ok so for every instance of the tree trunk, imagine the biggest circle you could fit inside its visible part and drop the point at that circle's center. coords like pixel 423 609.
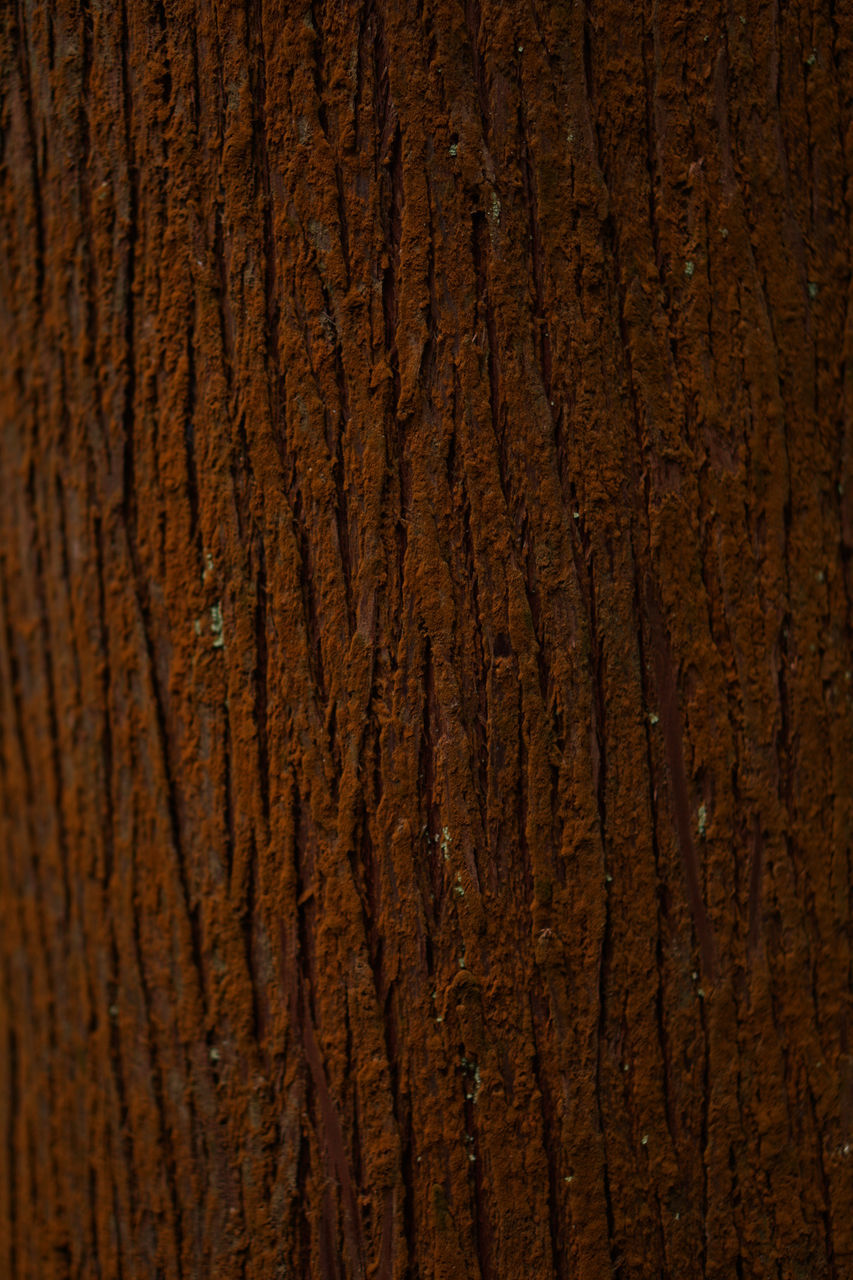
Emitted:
pixel 426 605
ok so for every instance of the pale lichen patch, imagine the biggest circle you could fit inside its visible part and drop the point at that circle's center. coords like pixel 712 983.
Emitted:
pixel 216 626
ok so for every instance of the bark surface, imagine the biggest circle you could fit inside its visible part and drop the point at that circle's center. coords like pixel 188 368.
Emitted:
pixel 426 737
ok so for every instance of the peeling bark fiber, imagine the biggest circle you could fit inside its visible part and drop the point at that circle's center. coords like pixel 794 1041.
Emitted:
pixel 426 640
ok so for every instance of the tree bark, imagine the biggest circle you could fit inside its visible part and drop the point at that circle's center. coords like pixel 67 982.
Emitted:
pixel 426 605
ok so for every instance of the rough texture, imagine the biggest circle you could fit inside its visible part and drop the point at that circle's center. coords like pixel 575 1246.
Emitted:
pixel 426 744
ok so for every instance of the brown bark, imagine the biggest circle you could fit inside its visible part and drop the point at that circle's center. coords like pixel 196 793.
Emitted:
pixel 426 747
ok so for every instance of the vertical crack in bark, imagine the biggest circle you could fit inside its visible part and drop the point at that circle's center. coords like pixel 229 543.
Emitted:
pixel 391 272
pixel 551 1136
pixel 338 432
pixel 14 685
pixel 121 1130
pixel 427 783
pixel 542 333
pixel 479 237
pixel 130 239
pixel 473 22
pixel 309 602
pixel 335 1142
pixel 481 718
pixel 190 448
pixel 261 683
pixel 671 724
pixel 13 1108
pixel 336 429
pixel 522 715
pixel 755 872
pixel 227 800
pixel 661 892
pixel 168 1169
pixel 24 57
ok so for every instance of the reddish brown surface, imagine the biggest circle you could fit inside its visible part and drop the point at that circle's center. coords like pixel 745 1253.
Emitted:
pixel 426 749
